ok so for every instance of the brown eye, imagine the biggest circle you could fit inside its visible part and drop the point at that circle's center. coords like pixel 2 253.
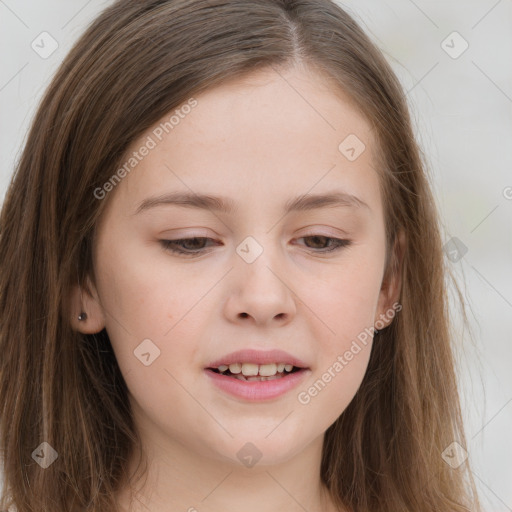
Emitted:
pixel 185 246
pixel 323 242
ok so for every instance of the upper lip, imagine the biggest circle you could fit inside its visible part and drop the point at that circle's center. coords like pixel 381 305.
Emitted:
pixel 258 357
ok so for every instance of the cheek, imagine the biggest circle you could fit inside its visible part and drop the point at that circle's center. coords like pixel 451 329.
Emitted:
pixel 346 306
pixel 149 309
pixel 152 328
pixel 344 339
pixel 347 299
pixel 146 297
pixel 329 392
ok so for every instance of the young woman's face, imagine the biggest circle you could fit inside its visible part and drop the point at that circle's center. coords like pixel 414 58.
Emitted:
pixel 252 275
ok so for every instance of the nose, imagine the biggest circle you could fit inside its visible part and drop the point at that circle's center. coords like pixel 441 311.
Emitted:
pixel 260 292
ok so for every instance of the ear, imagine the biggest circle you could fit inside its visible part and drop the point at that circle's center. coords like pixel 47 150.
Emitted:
pixel 84 299
pixel 391 283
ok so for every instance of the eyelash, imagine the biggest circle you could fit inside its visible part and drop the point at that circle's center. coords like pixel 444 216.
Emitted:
pixel 171 245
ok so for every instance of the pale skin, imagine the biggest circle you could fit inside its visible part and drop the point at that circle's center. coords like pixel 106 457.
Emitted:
pixel 259 142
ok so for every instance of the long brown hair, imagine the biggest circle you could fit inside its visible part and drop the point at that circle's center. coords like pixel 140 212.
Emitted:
pixel 135 63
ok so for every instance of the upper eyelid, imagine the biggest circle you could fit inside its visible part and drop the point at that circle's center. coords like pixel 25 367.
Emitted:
pixel 304 235
pixel 310 231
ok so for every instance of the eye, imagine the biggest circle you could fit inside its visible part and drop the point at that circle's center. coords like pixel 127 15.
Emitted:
pixel 336 245
pixel 184 245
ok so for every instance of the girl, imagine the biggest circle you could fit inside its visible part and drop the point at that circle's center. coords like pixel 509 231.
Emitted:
pixel 222 280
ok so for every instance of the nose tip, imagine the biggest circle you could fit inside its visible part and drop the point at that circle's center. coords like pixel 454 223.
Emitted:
pixel 259 293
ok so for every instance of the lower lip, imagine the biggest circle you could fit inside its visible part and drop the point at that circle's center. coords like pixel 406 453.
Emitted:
pixel 257 391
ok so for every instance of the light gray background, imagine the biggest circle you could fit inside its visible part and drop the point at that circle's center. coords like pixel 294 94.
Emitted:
pixel 462 109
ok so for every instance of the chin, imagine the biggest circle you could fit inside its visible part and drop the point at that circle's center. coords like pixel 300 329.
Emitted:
pixel 252 449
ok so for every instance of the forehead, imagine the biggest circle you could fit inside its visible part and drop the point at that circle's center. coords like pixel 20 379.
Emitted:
pixel 270 133
pixel 277 106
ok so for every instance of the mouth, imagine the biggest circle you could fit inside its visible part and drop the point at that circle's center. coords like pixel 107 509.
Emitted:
pixel 251 372
pixel 255 375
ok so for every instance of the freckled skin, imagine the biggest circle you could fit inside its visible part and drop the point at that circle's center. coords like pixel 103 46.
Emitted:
pixel 260 143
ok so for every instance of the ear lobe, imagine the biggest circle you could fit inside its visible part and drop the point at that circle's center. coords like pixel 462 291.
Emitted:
pixel 392 281
pixel 85 299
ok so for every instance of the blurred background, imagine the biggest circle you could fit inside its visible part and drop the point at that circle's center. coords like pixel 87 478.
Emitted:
pixel 454 59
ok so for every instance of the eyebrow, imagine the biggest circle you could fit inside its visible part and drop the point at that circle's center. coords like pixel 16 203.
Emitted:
pixel 228 206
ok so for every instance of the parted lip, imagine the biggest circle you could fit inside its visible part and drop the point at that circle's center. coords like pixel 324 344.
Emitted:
pixel 258 357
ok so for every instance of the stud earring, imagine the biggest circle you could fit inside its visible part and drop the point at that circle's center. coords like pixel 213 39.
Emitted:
pixel 82 316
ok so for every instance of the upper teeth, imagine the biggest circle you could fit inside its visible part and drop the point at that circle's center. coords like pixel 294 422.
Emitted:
pixel 250 369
